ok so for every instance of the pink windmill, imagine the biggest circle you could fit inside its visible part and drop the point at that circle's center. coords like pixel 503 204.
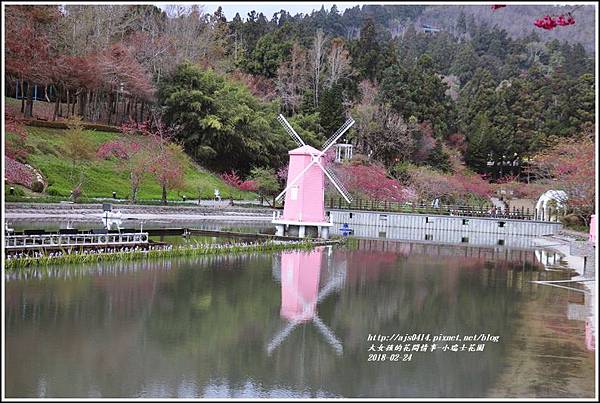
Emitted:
pixel 304 207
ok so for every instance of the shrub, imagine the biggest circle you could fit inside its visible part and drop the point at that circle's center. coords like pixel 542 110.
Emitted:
pixel 118 149
pixel 78 146
pixel 572 220
pixel 65 125
pixel 265 181
pixel 37 186
pixel 76 193
pixel 231 178
pixel 360 159
pixel 15 144
pixel 53 192
pixel 17 172
pixel 249 185
pixel 458 187
pixel 18 191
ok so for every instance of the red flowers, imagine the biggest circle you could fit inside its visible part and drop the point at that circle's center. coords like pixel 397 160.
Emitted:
pixel 249 185
pixel 232 179
pixel 547 22
pixel 563 21
pixel 118 149
pixel 372 182
pixel 17 172
pixel 552 22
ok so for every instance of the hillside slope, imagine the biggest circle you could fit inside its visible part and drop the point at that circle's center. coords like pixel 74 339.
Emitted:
pixel 102 177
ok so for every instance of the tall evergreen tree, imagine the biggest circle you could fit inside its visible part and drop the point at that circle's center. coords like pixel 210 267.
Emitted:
pixel 331 110
pixel 366 52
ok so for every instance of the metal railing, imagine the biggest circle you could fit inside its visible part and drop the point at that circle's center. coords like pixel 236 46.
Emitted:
pixel 73 240
pixel 481 210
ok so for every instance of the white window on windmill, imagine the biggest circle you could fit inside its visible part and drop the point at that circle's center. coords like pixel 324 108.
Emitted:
pixel 294 192
pixel 343 152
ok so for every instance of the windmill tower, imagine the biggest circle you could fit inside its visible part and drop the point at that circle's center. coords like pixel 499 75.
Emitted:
pixel 304 207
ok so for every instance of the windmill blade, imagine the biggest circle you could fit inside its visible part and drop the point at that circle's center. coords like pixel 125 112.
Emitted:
pixel 328 334
pixel 339 133
pixel 292 183
pixel 333 285
pixel 281 336
pixel 338 185
pixel 336 182
pixel 290 130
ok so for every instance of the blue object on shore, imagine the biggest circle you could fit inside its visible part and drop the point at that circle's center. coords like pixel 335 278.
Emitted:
pixel 346 230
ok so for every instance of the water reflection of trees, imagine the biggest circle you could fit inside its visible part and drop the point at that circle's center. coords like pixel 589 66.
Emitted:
pixel 208 320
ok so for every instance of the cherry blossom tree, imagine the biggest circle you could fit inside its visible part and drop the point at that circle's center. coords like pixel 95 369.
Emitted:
pixel 165 158
pixel 28 48
pixel 372 182
pixel 569 165
pixel 132 156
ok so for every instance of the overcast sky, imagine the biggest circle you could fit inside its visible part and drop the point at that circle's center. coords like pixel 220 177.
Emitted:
pixel 269 8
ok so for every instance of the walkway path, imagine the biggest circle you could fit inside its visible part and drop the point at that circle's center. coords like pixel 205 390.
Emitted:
pixel 93 212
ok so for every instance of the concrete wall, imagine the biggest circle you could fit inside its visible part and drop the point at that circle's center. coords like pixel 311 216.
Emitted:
pixel 441 236
pixel 382 221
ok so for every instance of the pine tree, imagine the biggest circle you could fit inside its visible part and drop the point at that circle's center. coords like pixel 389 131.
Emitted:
pixel 480 143
pixel 476 96
pixel 366 52
pixel 461 24
pixel 465 63
pixel 438 159
pixel 331 110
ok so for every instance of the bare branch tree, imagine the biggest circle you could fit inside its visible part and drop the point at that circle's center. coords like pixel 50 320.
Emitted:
pixel 317 56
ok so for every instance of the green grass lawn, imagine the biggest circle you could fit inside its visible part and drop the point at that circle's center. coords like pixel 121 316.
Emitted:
pixel 102 177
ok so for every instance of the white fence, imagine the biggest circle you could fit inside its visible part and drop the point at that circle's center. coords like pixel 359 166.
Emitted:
pixel 73 240
pixel 498 226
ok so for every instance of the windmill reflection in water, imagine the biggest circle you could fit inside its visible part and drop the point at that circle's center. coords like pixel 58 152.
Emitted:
pixel 300 294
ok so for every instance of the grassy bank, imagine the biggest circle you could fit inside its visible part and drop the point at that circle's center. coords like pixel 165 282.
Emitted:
pixel 195 250
pixel 45 147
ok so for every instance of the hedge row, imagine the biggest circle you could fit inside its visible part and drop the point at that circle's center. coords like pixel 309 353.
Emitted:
pixel 15 263
pixel 63 125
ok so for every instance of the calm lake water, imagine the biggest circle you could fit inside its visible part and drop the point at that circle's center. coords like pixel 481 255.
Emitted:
pixel 296 324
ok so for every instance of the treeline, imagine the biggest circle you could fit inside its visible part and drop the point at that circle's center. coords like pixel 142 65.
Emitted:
pixel 495 97
pixel 220 84
pixel 98 78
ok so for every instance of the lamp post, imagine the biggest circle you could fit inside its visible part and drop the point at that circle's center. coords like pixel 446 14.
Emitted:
pixel 120 91
pixel 490 164
pixel 526 166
